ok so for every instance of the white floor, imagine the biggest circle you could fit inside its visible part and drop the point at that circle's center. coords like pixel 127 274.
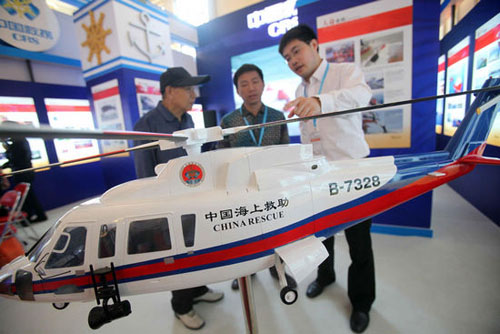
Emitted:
pixel 446 284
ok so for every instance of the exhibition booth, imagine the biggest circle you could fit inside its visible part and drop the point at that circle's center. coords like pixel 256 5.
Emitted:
pixel 103 66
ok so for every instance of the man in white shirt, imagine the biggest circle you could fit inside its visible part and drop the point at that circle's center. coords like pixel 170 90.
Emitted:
pixel 328 88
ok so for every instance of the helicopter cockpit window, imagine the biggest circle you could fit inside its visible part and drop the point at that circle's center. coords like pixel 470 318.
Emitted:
pixel 69 250
pixel 188 228
pixel 149 235
pixel 107 237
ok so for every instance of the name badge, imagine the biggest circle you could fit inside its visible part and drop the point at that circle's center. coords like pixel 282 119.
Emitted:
pixel 315 136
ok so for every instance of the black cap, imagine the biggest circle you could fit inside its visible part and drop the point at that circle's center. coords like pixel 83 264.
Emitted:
pixel 179 77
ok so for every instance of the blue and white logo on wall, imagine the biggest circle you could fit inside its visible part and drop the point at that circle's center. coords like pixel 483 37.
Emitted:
pixel 28 24
pixel 279 17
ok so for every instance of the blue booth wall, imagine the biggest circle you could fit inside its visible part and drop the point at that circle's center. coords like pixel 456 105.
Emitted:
pixel 59 185
pixel 481 186
pixel 63 185
pixel 228 36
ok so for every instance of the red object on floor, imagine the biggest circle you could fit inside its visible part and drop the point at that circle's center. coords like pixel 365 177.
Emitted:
pixel 10 248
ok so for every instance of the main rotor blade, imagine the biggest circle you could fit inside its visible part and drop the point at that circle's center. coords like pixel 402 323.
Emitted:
pixel 356 110
pixel 146 146
pixel 17 131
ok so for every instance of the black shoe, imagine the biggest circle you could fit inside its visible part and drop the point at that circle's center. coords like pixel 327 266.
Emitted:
pixel 289 279
pixel 37 219
pixel 314 289
pixel 359 321
pixel 235 285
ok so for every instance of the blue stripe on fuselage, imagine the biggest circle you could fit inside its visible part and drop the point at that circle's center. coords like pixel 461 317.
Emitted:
pixel 409 169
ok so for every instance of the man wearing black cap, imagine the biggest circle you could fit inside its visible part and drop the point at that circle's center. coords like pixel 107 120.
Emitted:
pixel 177 89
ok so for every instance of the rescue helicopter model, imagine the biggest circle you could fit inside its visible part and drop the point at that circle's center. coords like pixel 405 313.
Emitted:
pixel 219 215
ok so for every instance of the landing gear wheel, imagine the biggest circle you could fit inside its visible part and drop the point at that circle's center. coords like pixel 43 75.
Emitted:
pixel 288 295
pixel 60 306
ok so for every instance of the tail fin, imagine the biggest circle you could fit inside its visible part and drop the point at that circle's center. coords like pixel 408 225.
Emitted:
pixel 477 123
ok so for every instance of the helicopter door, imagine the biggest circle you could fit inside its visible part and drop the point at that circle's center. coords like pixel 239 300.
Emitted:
pixel 66 260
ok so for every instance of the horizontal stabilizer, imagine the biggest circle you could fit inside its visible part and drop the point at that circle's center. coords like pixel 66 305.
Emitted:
pixel 480 160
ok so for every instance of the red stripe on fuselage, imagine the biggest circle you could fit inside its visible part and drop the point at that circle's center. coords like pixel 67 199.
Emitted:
pixel 358 212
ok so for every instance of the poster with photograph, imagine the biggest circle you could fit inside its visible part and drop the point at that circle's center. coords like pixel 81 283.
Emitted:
pixel 148 94
pixel 440 91
pixel 487 63
pixel 342 52
pixel 378 38
pixel 109 113
pixel 280 82
pixel 22 110
pixel 456 81
pixel 72 114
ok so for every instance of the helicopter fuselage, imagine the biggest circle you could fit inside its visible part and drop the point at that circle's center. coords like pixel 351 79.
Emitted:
pixel 213 217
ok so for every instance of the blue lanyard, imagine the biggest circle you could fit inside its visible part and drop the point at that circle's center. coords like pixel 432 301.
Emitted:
pixel 261 130
pixel 320 86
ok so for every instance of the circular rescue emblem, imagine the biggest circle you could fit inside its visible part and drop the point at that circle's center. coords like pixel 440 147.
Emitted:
pixel 192 174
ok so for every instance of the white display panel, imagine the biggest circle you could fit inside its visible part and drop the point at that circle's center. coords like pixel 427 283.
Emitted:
pixel 72 114
pixel 487 63
pixel 109 113
pixel 440 91
pixel 197 114
pixel 22 110
pixel 456 81
pixel 378 38
pixel 148 94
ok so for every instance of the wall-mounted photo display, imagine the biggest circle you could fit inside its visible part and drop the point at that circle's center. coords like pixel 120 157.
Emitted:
pixel 73 114
pixel 22 110
pixel 109 113
pixel 148 94
pixel 378 38
pixel 487 63
pixel 196 113
pixel 456 81
pixel 440 91
pixel 280 82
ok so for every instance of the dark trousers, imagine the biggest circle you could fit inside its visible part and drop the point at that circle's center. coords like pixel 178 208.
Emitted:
pixel 31 204
pixel 182 300
pixel 361 275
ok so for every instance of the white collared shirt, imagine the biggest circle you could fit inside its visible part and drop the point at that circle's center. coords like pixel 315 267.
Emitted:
pixel 341 137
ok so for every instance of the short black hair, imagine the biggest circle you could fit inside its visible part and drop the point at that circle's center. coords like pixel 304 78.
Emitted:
pixel 246 68
pixel 302 32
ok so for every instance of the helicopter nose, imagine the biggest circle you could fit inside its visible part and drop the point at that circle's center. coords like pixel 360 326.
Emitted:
pixel 6 286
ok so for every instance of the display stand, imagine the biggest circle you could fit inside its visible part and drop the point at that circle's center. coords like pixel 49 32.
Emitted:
pixel 247 301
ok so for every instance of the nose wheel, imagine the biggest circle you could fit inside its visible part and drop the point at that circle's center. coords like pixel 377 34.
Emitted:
pixel 287 294
pixel 60 306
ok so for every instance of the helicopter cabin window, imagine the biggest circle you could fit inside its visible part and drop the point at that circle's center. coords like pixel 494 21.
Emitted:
pixel 69 250
pixel 149 235
pixel 107 237
pixel 188 227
